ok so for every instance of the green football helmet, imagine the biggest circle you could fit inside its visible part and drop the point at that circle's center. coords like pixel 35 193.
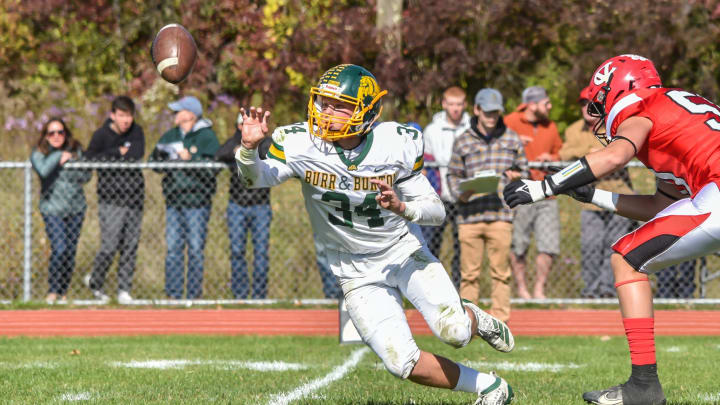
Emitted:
pixel 354 85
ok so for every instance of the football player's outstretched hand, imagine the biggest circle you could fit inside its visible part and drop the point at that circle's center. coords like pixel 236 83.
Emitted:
pixel 254 126
pixel 524 192
pixel 387 198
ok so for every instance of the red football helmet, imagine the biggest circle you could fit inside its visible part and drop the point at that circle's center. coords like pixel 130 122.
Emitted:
pixel 614 77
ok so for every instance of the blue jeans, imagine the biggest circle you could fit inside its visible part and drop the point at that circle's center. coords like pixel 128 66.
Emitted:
pixel 240 220
pixel 185 226
pixel 63 233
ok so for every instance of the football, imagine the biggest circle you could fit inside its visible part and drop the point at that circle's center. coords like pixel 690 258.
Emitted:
pixel 174 53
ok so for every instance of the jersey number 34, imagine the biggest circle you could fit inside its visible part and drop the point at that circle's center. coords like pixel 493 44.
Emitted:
pixel 368 208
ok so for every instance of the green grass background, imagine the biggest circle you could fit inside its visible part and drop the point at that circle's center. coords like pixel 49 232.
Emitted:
pixel 42 370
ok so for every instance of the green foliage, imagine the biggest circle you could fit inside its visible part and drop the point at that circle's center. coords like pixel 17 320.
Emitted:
pixel 69 55
pixel 276 49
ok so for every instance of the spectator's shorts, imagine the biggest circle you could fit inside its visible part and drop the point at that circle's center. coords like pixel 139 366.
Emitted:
pixel 540 218
pixel 686 229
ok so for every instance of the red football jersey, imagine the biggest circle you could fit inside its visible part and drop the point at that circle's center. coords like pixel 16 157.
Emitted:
pixel 683 146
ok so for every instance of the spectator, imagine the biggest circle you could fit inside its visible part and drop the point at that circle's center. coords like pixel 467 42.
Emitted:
pixel 439 137
pixel 599 228
pixel 542 143
pixel 120 198
pixel 248 210
pixel 677 281
pixel 62 201
pixel 484 222
pixel 188 195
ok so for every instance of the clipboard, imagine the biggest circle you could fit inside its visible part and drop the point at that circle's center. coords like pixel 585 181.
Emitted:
pixel 483 182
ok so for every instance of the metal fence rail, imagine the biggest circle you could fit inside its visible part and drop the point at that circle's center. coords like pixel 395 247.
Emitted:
pixel 294 273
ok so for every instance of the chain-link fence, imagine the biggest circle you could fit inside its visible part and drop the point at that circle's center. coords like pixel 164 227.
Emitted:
pixel 159 252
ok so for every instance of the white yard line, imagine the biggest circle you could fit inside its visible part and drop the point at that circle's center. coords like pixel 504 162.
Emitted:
pixel 530 366
pixel 712 398
pixel 336 374
pixel 225 364
pixel 80 396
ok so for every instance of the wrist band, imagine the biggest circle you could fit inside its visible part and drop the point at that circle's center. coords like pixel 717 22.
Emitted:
pixel 246 156
pixel 576 174
pixel 605 199
pixel 410 212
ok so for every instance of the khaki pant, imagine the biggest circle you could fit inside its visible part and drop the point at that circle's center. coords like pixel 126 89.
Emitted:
pixel 473 239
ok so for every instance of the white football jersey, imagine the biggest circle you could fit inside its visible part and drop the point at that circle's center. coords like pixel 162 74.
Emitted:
pixel 336 183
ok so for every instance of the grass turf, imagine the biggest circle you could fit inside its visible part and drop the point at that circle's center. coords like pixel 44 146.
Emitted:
pixel 553 370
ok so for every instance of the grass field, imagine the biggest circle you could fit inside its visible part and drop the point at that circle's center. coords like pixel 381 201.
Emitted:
pixel 315 370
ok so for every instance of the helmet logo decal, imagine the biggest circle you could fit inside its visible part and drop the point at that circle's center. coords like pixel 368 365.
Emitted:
pixel 602 76
pixel 367 90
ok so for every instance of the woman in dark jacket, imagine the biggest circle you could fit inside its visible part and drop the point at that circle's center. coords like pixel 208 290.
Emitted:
pixel 62 201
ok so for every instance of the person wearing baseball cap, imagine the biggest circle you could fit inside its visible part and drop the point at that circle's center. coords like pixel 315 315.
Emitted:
pixel 188 103
pixel 483 220
pixel 531 120
pixel 188 194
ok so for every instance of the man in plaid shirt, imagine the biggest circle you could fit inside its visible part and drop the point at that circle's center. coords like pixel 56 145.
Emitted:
pixel 483 219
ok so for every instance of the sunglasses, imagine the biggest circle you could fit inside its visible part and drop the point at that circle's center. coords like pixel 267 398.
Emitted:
pixel 51 133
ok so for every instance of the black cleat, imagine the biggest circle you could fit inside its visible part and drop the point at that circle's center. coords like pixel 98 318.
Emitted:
pixel 630 393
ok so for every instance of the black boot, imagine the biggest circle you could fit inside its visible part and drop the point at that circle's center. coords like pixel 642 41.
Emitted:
pixel 642 388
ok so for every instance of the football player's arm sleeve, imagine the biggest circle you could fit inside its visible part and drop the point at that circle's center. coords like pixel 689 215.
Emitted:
pixel 422 204
pixel 257 173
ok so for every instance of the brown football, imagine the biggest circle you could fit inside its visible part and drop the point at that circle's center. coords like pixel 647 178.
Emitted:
pixel 174 53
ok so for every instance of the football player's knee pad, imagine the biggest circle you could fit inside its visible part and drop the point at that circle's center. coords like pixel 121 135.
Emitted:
pixel 400 363
pixel 453 327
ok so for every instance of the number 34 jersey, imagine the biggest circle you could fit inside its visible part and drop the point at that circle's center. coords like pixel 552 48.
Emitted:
pixel 683 146
pixel 339 197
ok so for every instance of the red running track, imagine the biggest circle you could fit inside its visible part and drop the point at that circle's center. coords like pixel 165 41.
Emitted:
pixel 318 322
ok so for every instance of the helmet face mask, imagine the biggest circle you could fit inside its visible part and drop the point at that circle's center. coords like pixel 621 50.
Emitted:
pixel 596 109
pixel 350 84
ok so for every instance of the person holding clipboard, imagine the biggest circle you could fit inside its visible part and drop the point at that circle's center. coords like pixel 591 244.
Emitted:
pixel 485 158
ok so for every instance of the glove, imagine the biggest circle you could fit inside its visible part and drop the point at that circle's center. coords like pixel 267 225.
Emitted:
pixel 525 192
pixel 583 193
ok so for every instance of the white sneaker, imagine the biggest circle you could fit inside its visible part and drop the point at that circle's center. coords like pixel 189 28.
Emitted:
pixel 492 330
pixel 499 393
pixel 124 297
pixel 98 294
